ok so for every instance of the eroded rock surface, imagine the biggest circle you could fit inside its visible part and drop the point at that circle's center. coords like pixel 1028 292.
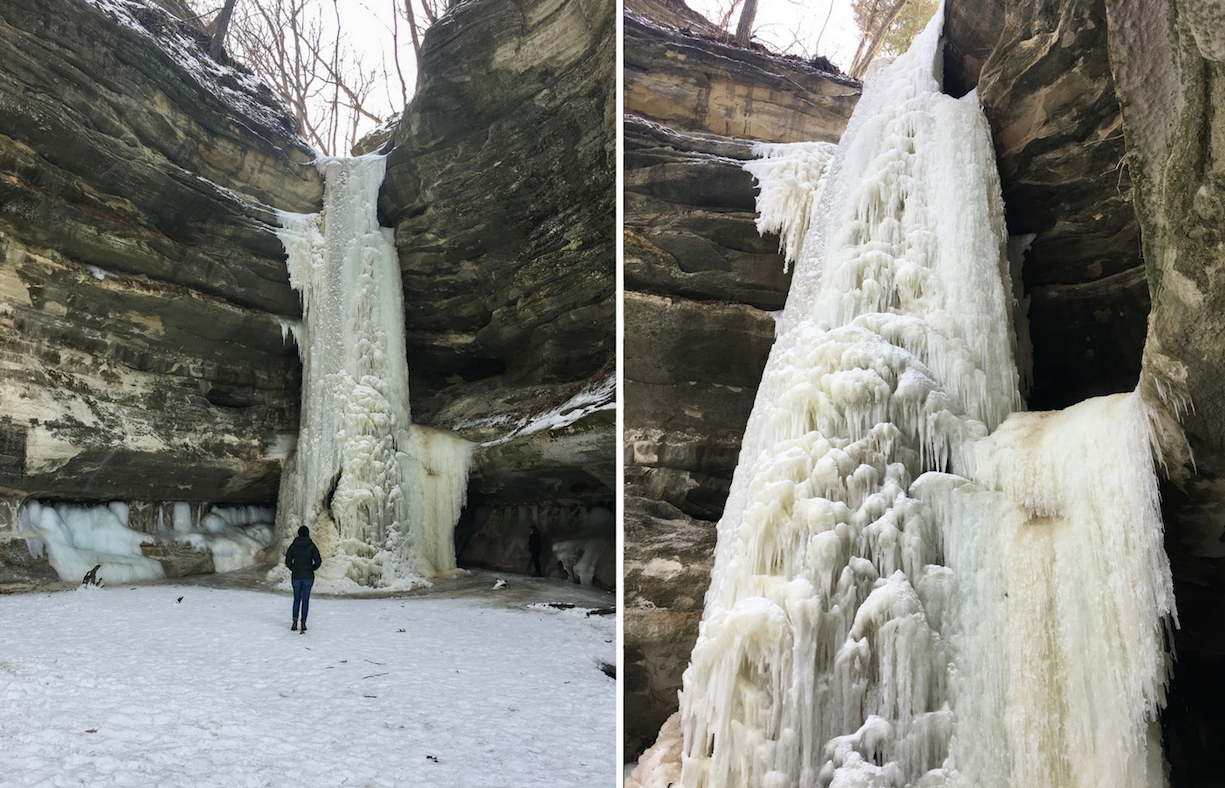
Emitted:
pixel 1170 72
pixel 501 191
pixel 702 85
pixel 141 278
pixel 1044 80
pixel 701 284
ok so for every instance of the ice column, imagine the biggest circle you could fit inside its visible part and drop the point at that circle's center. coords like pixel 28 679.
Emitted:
pixel 380 494
pixel 833 649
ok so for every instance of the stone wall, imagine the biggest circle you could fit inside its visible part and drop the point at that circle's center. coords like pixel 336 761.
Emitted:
pixel 141 279
pixel 701 284
pixel 501 188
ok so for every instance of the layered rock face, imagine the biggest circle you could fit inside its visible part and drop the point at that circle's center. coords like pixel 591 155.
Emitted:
pixel 141 279
pixel 144 289
pixel 701 284
pixel 1044 80
pixel 500 186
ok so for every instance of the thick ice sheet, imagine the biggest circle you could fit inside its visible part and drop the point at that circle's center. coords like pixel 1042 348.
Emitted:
pixel 216 691
pixel 380 494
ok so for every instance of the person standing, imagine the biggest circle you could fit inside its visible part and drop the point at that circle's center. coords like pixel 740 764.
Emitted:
pixel 303 559
pixel 533 546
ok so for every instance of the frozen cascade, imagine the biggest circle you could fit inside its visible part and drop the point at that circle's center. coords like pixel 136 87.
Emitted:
pixel 912 586
pixel 380 494
pixel 77 537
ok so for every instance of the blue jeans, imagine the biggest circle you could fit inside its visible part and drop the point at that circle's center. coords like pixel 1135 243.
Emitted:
pixel 302 597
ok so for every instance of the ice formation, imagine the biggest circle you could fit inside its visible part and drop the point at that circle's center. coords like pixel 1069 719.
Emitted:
pixel 238 536
pixel 78 537
pixel 380 494
pixel 912 586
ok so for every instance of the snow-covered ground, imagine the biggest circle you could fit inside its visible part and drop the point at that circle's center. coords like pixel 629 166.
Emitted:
pixel 460 686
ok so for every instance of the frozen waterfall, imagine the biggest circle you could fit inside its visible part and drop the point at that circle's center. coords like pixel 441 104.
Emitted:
pixel 915 584
pixel 380 494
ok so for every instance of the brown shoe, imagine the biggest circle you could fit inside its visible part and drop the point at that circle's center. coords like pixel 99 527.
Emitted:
pixel 303 627
pixel 295 625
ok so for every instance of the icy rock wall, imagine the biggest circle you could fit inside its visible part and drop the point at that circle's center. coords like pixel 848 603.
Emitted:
pixel 380 495
pixel 833 650
pixel 75 538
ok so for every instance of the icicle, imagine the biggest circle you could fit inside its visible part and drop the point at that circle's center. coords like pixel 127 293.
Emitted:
pixel 380 495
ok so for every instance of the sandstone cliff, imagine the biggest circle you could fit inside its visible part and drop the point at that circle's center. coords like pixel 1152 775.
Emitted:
pixel 143 289
pixel 701 284
pixel 142 277
pixel 500 186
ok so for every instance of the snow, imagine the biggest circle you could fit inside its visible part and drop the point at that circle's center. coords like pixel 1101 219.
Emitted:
pixel 243 93
pixel 596 396
pixel 99 273
pixel 914 584
pixel 126 686
pixel 380 495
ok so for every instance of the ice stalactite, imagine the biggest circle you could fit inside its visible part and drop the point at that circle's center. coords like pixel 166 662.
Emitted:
pixel 854 628
pixel 380 494
pixel 1062 599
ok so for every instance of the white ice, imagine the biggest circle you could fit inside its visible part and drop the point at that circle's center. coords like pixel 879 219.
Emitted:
pixel 237 536
pixel 126 686
pixel 596 396
pixel 78 537
pixel 380 494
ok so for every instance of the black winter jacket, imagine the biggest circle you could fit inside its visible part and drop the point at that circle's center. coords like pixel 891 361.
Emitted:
pixel 303 558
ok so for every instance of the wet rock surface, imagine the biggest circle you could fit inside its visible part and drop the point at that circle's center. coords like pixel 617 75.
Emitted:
pixel 1170 73
pixel 668 558
pixel 140 274
pixel 500 187
pixel 701 284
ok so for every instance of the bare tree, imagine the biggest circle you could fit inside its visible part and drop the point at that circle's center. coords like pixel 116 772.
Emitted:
pixel 300 48
pixel 216 48
pixel 308 64
pixel 744 29
pixel 879 22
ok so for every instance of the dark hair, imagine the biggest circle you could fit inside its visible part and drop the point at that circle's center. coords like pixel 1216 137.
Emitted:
pixel 304 531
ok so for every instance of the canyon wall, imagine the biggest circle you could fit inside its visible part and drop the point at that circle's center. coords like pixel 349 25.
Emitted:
pixel 701 285
pixel 144 293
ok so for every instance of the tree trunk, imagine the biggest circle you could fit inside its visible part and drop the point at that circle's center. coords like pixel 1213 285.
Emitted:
pixel 216 49
pixel 744 29
pixel 864 56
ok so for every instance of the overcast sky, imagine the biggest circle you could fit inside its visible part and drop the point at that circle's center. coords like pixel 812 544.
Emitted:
pixel 367 26
pixel 780 22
